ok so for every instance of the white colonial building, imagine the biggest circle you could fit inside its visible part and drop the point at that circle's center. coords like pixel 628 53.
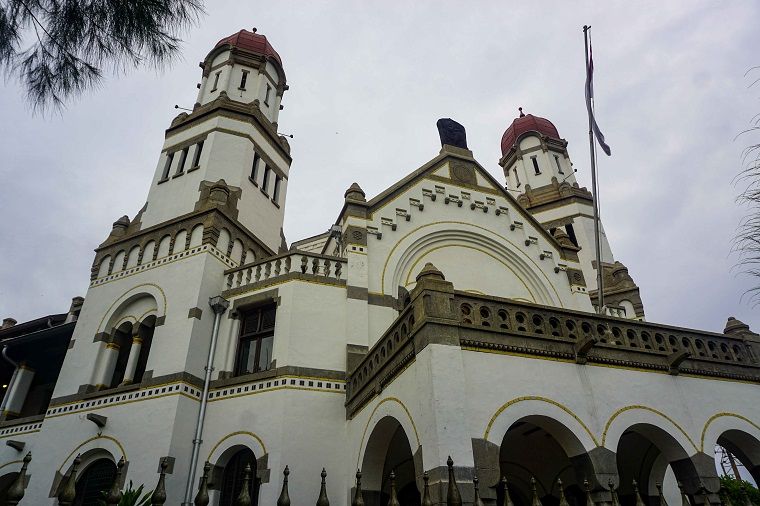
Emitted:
pixel 448 316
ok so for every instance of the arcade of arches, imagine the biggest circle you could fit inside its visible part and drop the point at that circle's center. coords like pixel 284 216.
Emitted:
pixel 542 449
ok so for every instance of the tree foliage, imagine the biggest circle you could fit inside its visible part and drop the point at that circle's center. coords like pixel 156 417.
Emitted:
pixel 747 240
pixel 59 48
pixel 738 492
pixel 131 496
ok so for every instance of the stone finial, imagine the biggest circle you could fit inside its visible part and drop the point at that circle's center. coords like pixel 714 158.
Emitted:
pixel 68 491
pixel 562 238
pixel 201 498
pixel 535 501
pixel 244 498
pixel 613 492
pixel 637 495
pixel 453 497
pixel 358 497
pixel 589 498
pixel 219 192
pixel 15 492
pixel 355 192
pixel 451 133
pixel 477 501
pixel 562 498
pixel 426 500
pixel 8 323
pixel 322 500
pixel 430 272
pixel 284 499
pixel 393 501
pixel 114 495
pixel 736 327
pixel 120 226
pixel 507 499
pixel 661 497
pixel 684 498
pixel 158 497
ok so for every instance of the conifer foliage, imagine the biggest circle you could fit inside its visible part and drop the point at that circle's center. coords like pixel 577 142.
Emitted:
pixel 59 48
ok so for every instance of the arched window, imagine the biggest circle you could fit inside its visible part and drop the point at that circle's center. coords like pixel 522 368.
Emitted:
pixel 232 478
pixel 146 335
pixel 96 478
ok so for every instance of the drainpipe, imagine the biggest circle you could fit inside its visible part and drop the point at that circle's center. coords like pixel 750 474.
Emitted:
pixel 219 305
pixel 8 359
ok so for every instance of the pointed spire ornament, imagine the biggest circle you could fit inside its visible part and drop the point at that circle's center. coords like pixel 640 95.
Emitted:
pixel 477 501
pixel 613 491
pixel 358 497
pixel 507 499
pixel 535 501
pixel 284 499
pixel 15 492
pixel 393 501
pixel 114 494
pixel 68 491
pixel 639 501
pixel 244 498
pixel 201 498
pixel 589 498
pixel 426 500
pixel 660 495
pixel 684 498
pixel 158 497
pixel 323 500
pixel 562 498
pixel 453 497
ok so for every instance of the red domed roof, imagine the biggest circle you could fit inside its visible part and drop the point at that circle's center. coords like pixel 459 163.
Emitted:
pixel 253 42
pixel 526 123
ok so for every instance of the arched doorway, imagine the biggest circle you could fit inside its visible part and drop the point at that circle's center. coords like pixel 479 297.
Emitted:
pixel 742 455
pixel 649 455
pixel 233 475
pixel 5 482
pixel 387 450
pixel 540 448
pixel 96 477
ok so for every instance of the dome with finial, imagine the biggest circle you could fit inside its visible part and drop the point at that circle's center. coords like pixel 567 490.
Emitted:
pixel 355 192
pixel 523 124
pixel 252 42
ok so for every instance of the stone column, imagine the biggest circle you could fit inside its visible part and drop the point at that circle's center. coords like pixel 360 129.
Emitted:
pixel 134 356
pixel 18 389
pixel 106 364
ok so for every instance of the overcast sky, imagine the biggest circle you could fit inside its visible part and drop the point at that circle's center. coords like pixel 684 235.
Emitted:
pixel 368 82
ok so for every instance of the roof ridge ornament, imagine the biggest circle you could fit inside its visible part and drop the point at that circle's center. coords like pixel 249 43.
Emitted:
pixel 522 114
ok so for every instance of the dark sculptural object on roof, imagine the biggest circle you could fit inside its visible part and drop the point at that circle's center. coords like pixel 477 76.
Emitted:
pixel 452 133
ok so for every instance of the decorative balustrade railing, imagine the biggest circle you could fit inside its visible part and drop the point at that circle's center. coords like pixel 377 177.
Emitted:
pixel 478 322
pixel 290 264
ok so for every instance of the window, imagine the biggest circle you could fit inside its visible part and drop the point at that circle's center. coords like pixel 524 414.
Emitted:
pixel 559 167
pixel 266 97
pixel 517 178
pixel 276 192
pixel 197 155
pixel 216 80
pixel 97 477
pixel 265 181
pixel 232 478
pixel 256 340
pixel 181 164
pixel 571 233
pixel 243 79
pixel 535 165
pixel 255 166
pixel 167 166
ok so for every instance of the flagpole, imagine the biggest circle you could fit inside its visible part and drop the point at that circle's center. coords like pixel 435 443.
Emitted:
pixel 595 190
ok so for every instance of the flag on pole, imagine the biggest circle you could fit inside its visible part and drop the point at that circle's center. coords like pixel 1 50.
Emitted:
pixel 589 96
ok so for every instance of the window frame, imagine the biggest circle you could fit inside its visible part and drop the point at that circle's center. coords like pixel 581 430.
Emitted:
pixel 559 167
pixel 255 337
pixel 216 81
pixel 197 155
pixel 243 80
pixel 536 167
pixel 267 94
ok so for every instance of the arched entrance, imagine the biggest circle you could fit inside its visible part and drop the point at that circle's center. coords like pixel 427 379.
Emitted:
pixel 94 479
pixel 540 448
pixel 233 475
pixel 387 450
pixel 743 455
pixel 5 482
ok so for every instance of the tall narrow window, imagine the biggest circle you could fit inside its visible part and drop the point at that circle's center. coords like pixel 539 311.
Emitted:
pixel 216 80
pixel 181 163
pixel 535 165
pixel 243 79
pixel 276 191
pixel 167 166
pixel 255 167
pixel 571 233
pixel 265 181
pixel 266 97
pixel 122 339
pixel 197 155
pixel 517 178
pixel 256 340
pixel 559 167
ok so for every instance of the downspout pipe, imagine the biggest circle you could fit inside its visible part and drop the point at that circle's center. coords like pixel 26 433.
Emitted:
pixel 219 305
pixel 13 376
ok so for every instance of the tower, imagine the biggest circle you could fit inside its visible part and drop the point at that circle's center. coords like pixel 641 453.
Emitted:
pixel 538 170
